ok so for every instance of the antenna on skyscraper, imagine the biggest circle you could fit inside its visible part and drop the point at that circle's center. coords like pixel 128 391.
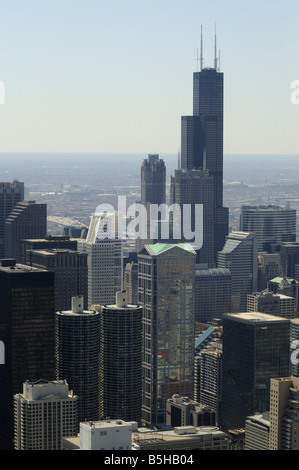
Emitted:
pixel 219 62
pixel 215 57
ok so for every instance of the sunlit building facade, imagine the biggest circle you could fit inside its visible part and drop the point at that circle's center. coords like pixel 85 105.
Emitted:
pixel 166 292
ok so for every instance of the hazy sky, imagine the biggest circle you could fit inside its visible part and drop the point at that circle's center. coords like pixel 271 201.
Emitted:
pixel 116 75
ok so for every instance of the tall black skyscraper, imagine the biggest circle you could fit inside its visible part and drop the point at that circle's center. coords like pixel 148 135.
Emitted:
pixel 202 140
pixel 153 180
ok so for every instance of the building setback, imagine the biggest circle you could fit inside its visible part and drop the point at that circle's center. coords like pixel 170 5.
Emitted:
pixel 10 195
pixel 27 220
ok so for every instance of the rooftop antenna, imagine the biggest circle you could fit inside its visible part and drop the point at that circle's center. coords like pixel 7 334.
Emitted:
pixel 219 62
pixel 215 57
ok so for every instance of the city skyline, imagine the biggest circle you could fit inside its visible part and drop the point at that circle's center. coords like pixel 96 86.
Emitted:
pixel 117 77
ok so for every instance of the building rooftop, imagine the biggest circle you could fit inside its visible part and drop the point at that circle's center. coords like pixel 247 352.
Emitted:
pixel 254 317
pixel 159 248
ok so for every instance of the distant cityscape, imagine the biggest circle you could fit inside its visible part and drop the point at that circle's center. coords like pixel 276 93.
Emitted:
pixel 155 343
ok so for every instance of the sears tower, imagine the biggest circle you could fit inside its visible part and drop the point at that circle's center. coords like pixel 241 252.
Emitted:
pixel 202 143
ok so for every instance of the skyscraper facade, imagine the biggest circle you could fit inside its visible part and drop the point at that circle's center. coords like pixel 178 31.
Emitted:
pixel 256 347
pixel 153 180
pixel 212 293
pixel 10 195
pixel 121 345
pixel 27 331
pixel 166 292
pixel 271 224
pixel 70 273
pixel 239 256
pixel 104 262
pixel 27 220
pixel 77 348
pixel 43 414
pixel 202 143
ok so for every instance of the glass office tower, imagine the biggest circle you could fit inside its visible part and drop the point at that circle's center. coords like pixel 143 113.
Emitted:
pixel 166 292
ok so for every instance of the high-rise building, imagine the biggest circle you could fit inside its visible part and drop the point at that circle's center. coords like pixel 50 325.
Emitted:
pixel 131 282
pixel 27 331
pixel 183 411
pixel 285 286
pixel 275 304
pixel 256 347
pixel 44 414
pixel 153 180
pixel 104 261
pixel 284 413
pixel 121 359
pixel 239 256
pixel 289 255
pixel 28 219
pixel 70 273
pixel 271 224
pixel 77 333
pixel 257 429
pixel 188 188
pixel 269 266
pixel 166 292
pixel 209 364
pixel 212 293
pixel 49 242
pixel 202 140
pixel 10 195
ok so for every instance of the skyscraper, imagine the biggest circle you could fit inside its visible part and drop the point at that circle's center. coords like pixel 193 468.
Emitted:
pixel 44 413
pixel 121 359
pixel 212 293
pixel 27 331
pixel 239 255
pixel 70 273
pixel 153 180
pixel 272 224
pixel 77 337
pixel 10 195
pixel 202 142
pixel 27 220
pixel 166 292
pixel 256 347
pixel 104 261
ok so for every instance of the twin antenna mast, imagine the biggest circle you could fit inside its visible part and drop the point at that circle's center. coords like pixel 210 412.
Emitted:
pixel 216 58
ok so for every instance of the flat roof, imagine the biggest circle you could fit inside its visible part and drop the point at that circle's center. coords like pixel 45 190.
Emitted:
pixel 255 317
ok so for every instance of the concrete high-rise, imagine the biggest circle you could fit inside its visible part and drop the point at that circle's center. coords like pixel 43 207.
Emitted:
pixel 121 345
pixel 239 255
pixel 27 220
pixel 166 292
pixel 256 347
pixel 104 261
pixel 275 304
pixel 10 195
pixel 77 336
pixel 28 333
pixel 70 273
pixel 271 224
pixel 44 414
pixel 284 413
